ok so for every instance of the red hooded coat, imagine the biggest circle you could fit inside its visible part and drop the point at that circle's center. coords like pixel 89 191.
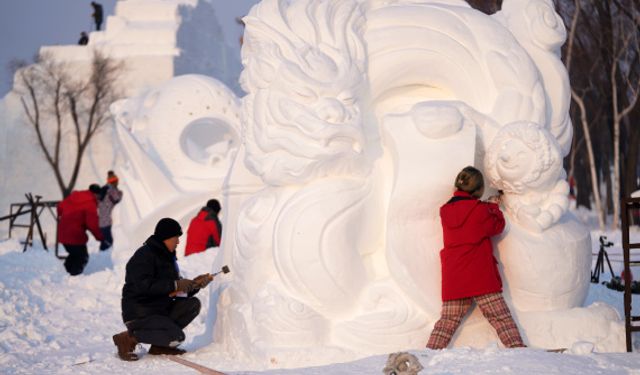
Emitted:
pixel 204 232
pixel 77 213
pixel 468 266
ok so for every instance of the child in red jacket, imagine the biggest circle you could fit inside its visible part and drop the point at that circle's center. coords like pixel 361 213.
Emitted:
pixel 469 269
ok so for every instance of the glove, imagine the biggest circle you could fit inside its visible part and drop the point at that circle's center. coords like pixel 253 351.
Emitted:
pixel 202 280
pixel 185 285
pixel 494 199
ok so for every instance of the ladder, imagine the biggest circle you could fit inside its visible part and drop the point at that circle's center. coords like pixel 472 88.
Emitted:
pixel 629 205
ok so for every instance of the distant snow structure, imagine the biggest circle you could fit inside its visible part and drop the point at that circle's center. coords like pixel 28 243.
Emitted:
pixel 203 50
pixel 157 40
pixel 178 141
pixel 359 114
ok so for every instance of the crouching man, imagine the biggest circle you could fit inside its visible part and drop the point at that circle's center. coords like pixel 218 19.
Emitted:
pixel 157 304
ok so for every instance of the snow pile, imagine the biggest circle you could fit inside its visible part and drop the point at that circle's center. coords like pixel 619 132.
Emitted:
pixel 50 321
pixel 56 324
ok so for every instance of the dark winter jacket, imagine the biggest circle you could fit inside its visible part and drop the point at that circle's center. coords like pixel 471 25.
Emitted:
pixel 78 213
pixel 151 276
pixel 97 12
pixel 468 265
pixel 204 232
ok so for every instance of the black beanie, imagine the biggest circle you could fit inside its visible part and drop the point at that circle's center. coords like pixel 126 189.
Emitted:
pixel 95 188
pixel 167 228
pixel 213 205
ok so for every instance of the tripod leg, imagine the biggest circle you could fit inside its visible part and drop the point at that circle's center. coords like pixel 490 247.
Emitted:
pixel 595 278
pixel 609 263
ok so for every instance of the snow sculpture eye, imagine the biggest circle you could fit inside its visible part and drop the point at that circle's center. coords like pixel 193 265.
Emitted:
pixel 208 140
pixel 331 110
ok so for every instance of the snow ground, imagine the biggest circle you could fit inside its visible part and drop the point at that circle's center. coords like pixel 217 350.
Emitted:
pixel 51 323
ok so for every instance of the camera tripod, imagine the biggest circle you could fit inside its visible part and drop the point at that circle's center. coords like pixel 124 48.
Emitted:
pixel 602 255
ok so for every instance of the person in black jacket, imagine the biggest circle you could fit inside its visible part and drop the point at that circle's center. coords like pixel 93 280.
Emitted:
pixel 84 39
pixel 157 304
pixel 97 14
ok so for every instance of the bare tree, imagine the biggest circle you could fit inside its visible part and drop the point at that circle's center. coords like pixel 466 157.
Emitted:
pixel 624 86
pixel 67 108
pixel 579 100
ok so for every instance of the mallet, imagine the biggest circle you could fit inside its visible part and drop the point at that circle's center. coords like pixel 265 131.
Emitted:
pixel 225 269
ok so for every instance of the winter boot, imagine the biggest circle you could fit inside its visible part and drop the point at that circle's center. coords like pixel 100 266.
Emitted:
pixel 158 350
pixel 126 345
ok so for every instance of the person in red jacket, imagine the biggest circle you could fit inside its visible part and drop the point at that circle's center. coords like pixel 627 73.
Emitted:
pixel 205 229
pixel 78 213
pixel 469 269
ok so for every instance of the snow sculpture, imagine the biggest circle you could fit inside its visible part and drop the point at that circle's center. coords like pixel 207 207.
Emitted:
pixel 541 32
pixel 359 114
pixel 179 140
pixel 524 161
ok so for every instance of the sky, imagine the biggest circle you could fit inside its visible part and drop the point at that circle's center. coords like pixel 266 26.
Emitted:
pixel 25 25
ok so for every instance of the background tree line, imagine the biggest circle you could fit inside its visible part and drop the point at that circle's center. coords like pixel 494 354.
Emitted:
pixel 66 106
pixel 602 56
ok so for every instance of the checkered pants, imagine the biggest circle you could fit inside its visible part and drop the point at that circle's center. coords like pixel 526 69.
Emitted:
pixel 493 307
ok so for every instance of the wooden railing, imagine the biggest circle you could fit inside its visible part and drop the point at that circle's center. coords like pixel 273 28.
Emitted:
pixel 34 206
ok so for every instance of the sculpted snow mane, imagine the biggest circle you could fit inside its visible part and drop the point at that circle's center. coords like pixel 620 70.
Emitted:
pixel 305 81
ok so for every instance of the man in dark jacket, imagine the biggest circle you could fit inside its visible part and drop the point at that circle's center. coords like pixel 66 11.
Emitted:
pixel 157 304
pixel 77 213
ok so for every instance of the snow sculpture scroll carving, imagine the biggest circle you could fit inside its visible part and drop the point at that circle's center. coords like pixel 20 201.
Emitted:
pixel 358 116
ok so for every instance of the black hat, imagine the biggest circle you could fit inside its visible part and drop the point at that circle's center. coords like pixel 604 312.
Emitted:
pixel 167 228
pixel 95 188
pixel 214 205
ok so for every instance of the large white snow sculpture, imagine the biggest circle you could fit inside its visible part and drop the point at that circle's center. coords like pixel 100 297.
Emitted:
pixel 359 114
pixel 179 140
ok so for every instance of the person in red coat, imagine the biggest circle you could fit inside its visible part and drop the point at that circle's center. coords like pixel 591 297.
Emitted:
pixel 205 229
pixel 78 213
pixel 469 269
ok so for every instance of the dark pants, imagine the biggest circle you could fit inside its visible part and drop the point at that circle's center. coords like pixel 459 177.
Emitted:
pixel 164 330
pixel 77 259
pixel 107 242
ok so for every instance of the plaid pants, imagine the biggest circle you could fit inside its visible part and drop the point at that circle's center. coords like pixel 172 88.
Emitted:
pixel 493 307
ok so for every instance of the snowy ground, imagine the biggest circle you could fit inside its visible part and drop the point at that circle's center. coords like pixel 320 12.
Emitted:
pixel 51 323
